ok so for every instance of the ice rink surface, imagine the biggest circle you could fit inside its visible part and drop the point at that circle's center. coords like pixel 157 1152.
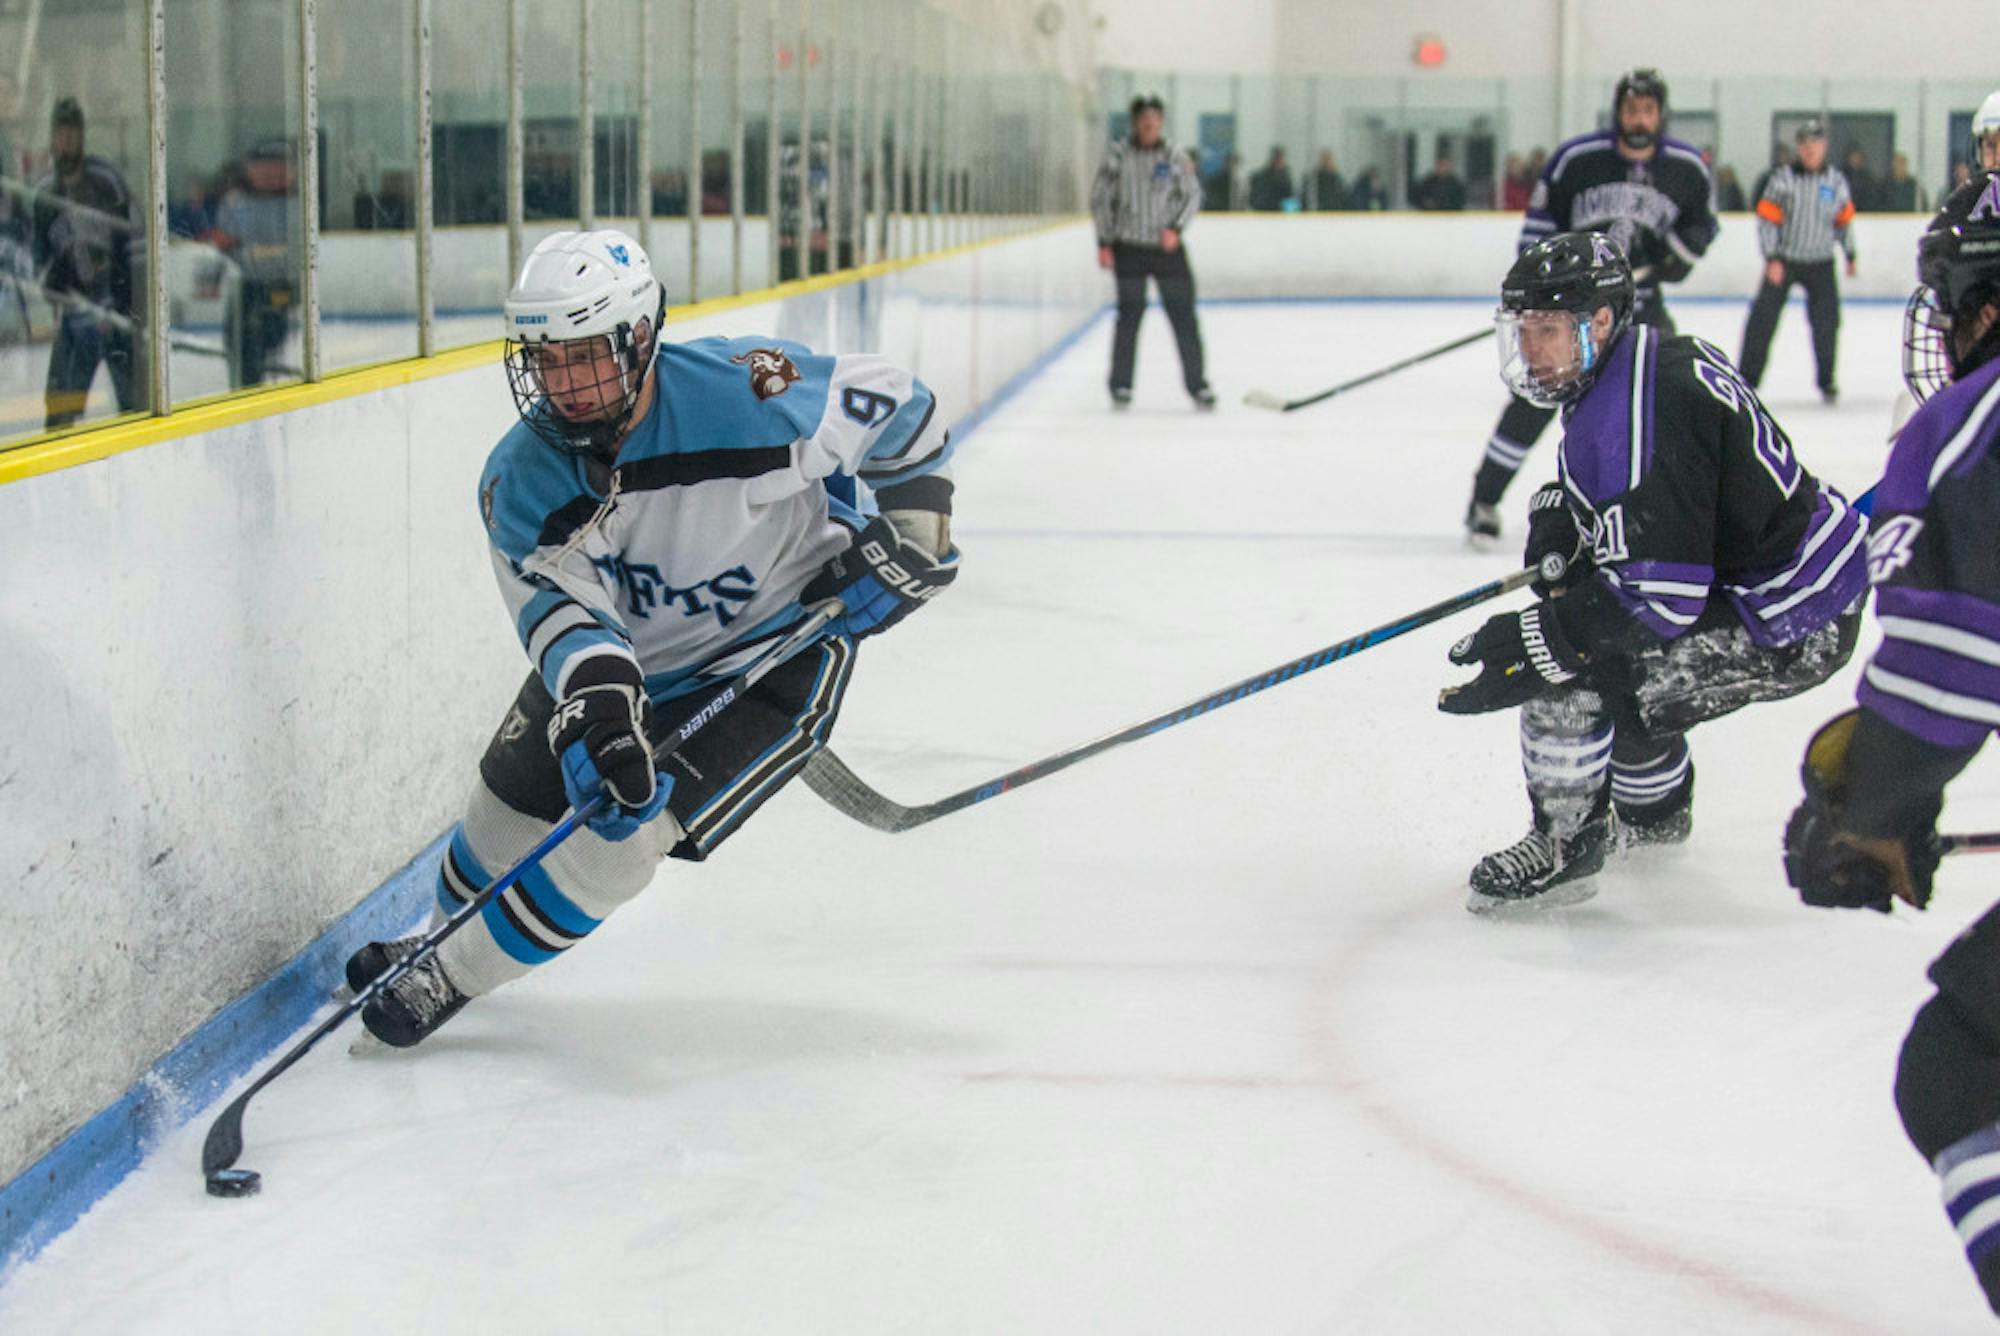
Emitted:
pixel 1196 1037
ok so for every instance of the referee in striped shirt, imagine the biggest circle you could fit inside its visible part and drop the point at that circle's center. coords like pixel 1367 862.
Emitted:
pixel 1804 211
pixel 1145 196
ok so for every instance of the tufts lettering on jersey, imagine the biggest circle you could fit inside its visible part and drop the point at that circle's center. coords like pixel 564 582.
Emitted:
pixel 645 590
pixel 1891 545
pixel 771 371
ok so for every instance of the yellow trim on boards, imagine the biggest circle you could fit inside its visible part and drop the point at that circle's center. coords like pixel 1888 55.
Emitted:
pixel 226 410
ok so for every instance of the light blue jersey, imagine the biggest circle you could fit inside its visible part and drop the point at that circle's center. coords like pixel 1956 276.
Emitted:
pixel 726 498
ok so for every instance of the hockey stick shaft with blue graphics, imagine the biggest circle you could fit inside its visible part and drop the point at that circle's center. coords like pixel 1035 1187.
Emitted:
pixel 828 776
pixel 224 1144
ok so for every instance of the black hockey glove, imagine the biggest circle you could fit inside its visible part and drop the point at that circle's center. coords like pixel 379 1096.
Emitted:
pixel 1553 532
pixel 1521 655
pixel 879 580
pixel 1835 867
pixel 598 734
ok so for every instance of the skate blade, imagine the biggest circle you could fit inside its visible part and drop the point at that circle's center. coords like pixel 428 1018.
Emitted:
pixel 1482 542
pixel 366 1045
pixel 1556 897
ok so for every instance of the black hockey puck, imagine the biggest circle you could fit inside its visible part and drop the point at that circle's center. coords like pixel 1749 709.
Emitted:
pixel 234 1183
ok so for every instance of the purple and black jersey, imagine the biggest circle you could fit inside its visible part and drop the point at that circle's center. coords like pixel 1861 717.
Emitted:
pixel 1935 562
pixel 1684 486
pixel 1661 211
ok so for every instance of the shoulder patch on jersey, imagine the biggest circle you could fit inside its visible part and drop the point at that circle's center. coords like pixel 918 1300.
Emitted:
pixel 486 502
pixel 771 371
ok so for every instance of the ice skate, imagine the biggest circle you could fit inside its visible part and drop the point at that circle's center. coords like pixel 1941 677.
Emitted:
pixel 1540 870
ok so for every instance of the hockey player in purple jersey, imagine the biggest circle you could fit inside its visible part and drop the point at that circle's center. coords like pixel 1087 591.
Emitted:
pixel 1651 194
pixel 1866 834
pixel 661 515
pixel 1709 571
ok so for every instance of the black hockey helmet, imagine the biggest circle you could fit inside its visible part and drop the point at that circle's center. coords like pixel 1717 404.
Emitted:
pixel 1576 274
pixel 1147 102
pixel 1958 272
pixel 1645 81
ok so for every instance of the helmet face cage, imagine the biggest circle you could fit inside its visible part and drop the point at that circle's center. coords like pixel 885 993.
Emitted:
pixel 1926 345
pixel 618 375
pixel 1645 82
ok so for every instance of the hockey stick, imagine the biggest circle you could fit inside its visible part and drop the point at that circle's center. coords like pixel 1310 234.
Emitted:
pixel 225 1135
pixel 828 776
pixel 1266 399
pixel 1986 842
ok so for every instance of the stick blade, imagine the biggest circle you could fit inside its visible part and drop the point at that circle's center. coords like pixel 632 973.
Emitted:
pixel 224 1145
pixel 1264 399
pixel 842 790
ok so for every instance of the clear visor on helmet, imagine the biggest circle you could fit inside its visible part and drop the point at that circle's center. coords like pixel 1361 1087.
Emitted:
pixel 1926 345
pixel 1546 357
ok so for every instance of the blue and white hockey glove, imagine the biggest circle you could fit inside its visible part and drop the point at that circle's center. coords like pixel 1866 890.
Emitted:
pixel 1521 655
pixel 880 580
pixel 598 734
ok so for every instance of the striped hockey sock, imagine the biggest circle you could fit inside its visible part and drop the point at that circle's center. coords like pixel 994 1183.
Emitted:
pixel 1650 785
pixel 1969 1170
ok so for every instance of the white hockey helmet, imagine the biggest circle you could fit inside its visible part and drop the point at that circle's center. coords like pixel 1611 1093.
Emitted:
pixel 1986 134
pixel 583 286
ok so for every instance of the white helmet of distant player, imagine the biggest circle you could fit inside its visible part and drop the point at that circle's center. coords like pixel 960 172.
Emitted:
pixel 1986 134
pixel 583 321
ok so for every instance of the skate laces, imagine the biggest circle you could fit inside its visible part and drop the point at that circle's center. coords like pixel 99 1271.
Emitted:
pixel 425 990
pixel 1533 854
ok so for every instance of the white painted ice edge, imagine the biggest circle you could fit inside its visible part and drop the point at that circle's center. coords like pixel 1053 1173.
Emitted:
pixel 53 1192
pixel 56 1190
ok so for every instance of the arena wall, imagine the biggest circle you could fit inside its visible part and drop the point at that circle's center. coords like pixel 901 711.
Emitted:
pixel 249 671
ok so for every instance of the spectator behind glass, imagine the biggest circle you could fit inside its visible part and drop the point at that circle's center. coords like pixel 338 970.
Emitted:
pixel 1728 191
pixel 1517 183
pixel 1899 192
pixel 1271 184
pixel 253 224
pixel 1441 191
pixel 1329 189
pixel 1866 189
pixel 1368 190
pixel 1219 189
pixel 86 245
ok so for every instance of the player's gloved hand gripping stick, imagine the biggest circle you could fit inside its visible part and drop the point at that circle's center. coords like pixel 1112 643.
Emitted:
pixel 844 791
pixel 225 1135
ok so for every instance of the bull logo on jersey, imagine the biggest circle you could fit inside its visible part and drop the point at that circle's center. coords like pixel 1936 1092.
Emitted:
pixel 646 591
pixel 1891 544
pixel 771 372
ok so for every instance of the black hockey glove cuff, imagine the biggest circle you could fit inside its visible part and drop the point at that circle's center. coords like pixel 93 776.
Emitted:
pixel 1829 859
pixel 1521 655
pixel 1553 531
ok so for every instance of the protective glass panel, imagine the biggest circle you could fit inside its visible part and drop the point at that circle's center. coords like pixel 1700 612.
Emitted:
pixel 73 210
pixel 368 126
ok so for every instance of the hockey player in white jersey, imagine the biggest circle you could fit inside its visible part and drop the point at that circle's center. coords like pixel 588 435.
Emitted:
pixel 661 514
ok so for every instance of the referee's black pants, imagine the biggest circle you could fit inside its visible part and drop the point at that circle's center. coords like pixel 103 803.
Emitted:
pixel 1133 265
pixel 1822 312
